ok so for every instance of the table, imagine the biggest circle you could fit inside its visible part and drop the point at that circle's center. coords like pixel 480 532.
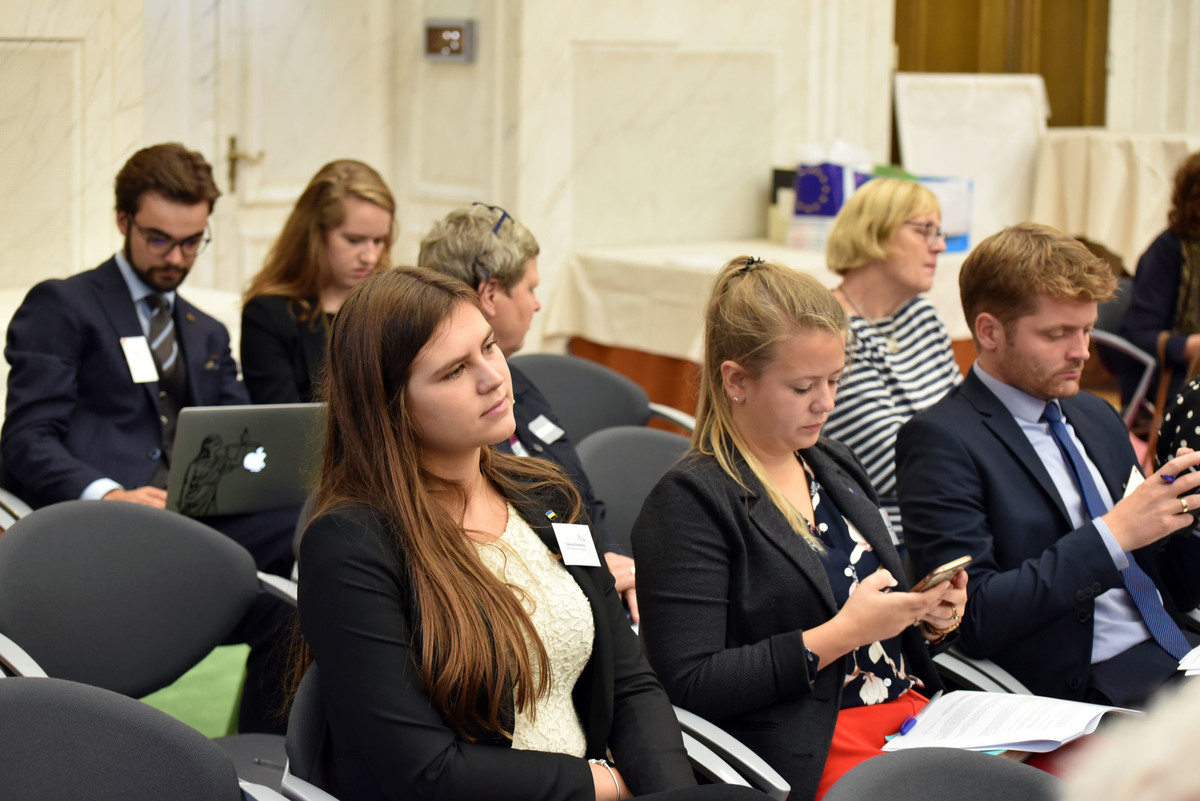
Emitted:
pixel 1113 188
pixel 652 298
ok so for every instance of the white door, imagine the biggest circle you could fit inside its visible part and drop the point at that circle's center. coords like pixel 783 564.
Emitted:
pixel 299 83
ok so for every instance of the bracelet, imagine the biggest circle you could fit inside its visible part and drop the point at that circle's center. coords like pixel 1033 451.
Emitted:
pixel 939 633
pixel 612 774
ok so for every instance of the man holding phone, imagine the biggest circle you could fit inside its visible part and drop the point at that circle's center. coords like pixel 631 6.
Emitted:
pixel 1076 581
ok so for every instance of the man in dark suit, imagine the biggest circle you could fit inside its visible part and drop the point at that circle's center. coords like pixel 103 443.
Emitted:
pixel 1079 574
pixel 103 361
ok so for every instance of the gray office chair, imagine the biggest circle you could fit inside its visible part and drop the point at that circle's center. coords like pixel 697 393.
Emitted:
pixel 64 740
pixel 587 396
pixel 128 598
pixel 1113 348
pixel 713 753
pixel 623 464
pixel 944 774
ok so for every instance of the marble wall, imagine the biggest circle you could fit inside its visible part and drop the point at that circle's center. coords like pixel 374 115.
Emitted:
pixel 71 94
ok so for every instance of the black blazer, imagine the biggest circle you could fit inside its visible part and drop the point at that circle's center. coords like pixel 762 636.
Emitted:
pixel 970 483
pixel 281 356
pixel 74 413
pixel 356 611
pixel 726 590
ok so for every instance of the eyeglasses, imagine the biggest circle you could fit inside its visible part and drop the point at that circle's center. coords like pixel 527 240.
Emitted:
pixel 929 230
pixel 160 244
pixel 504 215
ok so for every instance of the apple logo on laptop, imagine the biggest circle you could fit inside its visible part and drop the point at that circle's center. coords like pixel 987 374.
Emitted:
pixel 256 460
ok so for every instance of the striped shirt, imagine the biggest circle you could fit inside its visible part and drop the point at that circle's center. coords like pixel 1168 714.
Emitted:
pixel 881 390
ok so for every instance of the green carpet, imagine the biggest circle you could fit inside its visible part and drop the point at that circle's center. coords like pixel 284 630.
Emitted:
pixel 204 697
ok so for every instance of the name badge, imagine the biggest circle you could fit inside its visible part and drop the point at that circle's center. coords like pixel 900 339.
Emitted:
pixel 139 359
pixel 575 544
pixel 543 429
pixel 1135 480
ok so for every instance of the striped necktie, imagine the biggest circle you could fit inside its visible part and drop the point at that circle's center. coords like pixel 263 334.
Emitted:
pixel 162 336
pixel 1139 585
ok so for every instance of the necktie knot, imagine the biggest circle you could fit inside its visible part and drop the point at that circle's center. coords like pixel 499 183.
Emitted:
pixel 156 302
pixel 1052 413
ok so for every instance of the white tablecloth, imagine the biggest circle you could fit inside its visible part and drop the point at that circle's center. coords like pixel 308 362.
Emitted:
pixel 652 298
pixel 1113 188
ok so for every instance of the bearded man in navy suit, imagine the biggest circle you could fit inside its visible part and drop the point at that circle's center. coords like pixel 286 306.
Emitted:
pixel 92 404
pixel 1079 573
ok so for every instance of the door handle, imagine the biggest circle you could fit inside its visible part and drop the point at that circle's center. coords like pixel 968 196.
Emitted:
pixel 235 156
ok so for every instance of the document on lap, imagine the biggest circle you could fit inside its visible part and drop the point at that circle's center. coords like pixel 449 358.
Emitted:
pixel 978 721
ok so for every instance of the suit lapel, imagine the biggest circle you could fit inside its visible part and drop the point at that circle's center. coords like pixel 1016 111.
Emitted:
pixel 112 295
pixel 192 344
pixel 999 421
pixel 1100 447
pixel 774 527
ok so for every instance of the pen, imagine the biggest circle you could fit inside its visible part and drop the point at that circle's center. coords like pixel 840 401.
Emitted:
pixel 911 720
pixel 1171 479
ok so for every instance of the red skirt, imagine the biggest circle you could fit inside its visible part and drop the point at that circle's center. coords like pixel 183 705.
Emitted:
pixel 861 733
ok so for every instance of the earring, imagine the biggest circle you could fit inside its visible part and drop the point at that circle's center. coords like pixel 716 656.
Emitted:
pixel 735 400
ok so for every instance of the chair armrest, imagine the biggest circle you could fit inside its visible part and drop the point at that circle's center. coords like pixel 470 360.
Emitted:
pixel 15 661
pixel 258 792
pixel 281 588
pixel 672 415
pixel 748 764
pixel 705 761
pixel 14 505
pixel 296 789
pixel 980 674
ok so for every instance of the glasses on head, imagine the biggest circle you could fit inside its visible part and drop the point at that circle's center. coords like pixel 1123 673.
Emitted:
pixel 504 215
pixel 160 244
pixel 929 230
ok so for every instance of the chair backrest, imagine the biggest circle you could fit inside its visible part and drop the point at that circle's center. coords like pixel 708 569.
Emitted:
pixel 63 740
pixel 944 774
pixel 623 464
pixel 119 595
pixel 585 396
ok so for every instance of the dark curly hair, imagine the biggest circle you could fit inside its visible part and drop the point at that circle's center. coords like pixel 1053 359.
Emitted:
pixel 1184 219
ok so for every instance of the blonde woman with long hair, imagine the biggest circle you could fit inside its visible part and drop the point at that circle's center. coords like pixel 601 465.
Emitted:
pixel 773 601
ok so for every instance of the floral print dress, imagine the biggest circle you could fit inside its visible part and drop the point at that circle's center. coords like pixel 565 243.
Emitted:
pixel 875 673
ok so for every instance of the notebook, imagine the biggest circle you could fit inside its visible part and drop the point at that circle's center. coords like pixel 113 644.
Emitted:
pixel 242 459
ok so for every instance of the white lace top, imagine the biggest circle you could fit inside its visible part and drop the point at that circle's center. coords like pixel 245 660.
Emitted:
pixel 563 619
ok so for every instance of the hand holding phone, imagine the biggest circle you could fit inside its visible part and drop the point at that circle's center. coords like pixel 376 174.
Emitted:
pixel 941 574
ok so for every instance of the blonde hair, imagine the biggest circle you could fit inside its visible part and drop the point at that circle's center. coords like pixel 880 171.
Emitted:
pixel 297 265
pixel 755 305
pixel 478 242
pixel 1007 272
pixel 863 230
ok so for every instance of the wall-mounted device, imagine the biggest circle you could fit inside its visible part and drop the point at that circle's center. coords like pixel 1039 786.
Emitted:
pixel 450 39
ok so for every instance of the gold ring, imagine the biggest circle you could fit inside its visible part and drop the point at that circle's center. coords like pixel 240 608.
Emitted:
pixel 1184 504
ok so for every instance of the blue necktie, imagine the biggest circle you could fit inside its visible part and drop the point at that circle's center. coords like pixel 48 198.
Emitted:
pixel 1140 586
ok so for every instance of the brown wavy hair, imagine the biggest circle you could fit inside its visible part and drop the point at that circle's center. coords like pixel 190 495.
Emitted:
pixel 178 174
pixel 473 651
pixel 1008 271
pixel 297 266
pixel 1184 217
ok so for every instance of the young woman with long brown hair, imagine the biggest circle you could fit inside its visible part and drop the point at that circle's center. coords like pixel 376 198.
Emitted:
pixel 339 232
pixel 469 646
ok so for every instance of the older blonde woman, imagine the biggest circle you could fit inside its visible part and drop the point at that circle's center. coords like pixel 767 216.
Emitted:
pixel 885 243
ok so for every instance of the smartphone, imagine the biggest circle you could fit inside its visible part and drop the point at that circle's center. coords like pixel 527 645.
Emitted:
pixel 943 573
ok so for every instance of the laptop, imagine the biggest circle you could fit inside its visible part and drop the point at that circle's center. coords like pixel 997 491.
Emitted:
pixel 242 459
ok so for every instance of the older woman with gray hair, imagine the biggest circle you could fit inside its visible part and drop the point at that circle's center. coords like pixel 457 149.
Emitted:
pixel 492 252
pixel 885 243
